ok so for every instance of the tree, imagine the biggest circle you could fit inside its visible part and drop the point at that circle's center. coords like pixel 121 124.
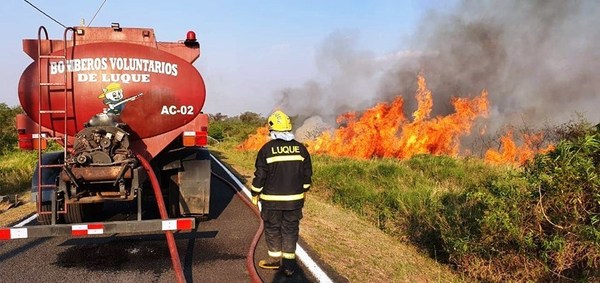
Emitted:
pixel 251 118
pixel 236 128
pixel 217 117
pixel 8 131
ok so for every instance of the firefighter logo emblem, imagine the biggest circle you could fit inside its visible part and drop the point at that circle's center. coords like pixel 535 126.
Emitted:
pixel 112 97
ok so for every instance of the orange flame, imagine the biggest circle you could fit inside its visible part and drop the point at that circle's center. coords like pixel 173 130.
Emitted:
pixel 383 131
pixel 510 153
pixel 256 140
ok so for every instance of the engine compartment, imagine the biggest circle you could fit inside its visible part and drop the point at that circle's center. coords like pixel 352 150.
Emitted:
pixel 101 165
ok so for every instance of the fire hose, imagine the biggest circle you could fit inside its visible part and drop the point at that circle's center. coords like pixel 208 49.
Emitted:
pixel 163 215
pixel 250 256
pixel 171 239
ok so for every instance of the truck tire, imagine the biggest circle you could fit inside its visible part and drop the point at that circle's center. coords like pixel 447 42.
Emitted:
pixel 173 196
pixel 46 219
pixel 83 212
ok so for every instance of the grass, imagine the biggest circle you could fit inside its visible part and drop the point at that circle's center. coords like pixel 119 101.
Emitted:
pixel 16 169
pixel 344 221
pixel 361 252
pixel 13 215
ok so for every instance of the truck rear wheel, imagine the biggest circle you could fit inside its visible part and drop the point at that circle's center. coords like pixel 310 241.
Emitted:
pixel 46 218
pixel 173 196
pixel 83 212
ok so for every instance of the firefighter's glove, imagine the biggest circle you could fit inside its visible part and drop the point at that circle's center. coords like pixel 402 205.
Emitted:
pixel 255 200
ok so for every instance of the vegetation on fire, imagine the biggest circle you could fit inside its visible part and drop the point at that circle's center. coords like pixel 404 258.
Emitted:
pixel 538 222
pixel 494 223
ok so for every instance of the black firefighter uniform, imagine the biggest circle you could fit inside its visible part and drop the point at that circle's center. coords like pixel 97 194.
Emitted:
pixel 283 174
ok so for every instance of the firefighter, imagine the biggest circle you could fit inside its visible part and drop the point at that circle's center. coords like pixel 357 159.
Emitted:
pixel 282 176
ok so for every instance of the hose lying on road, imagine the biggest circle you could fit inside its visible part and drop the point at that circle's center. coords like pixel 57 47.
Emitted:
pixel 250 256
pixel 163 215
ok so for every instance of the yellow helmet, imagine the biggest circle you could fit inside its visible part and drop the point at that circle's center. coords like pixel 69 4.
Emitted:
pixel 110 88
pixel 280 122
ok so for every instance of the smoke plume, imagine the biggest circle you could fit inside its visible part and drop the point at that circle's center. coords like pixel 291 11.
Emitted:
pixel 539 60
pixel 348 80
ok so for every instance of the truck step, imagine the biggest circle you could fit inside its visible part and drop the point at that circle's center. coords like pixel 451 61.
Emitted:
pixel 53 84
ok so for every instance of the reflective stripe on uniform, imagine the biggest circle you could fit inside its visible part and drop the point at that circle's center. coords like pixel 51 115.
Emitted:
pixel 255 189
pixel 285 158
pixel 282 197
pixel 274 254
pixel 289 255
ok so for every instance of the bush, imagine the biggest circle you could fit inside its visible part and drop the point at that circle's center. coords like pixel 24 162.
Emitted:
pixel 540 223
pixel 8 132
pixel 235 129
pixel 565 222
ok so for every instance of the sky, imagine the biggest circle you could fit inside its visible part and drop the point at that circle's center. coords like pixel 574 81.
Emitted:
pixel 538 59
pixel 251 51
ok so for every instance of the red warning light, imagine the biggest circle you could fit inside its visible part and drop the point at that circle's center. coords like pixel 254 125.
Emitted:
pixel 191 36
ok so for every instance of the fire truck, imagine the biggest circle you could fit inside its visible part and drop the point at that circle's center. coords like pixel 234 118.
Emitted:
pixel 125 113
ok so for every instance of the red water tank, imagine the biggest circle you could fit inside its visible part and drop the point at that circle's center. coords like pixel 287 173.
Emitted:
pixel 151 86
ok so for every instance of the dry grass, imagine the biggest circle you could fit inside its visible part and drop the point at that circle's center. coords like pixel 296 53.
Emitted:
pixel 361 252
pixel 15 214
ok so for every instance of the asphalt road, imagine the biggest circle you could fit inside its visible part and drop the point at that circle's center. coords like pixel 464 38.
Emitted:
pixel 215 252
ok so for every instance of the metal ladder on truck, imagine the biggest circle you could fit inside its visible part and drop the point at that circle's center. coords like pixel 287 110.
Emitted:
pixel 50 88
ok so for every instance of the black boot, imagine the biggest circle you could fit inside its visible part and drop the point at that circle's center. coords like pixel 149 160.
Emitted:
pixel 289 266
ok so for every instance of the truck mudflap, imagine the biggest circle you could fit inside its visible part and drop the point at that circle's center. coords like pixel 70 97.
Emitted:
pixel 99 228
pixel 186 173
pixel 194 187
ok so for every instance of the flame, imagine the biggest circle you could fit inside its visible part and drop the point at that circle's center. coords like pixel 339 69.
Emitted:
pixel 257 140
pixel 510 153
pixel 384 131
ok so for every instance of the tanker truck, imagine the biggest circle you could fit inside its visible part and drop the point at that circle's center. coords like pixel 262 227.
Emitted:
pixel 123 109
